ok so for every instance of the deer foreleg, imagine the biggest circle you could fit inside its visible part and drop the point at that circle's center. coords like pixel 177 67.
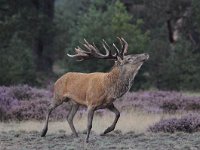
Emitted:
pixel 113 109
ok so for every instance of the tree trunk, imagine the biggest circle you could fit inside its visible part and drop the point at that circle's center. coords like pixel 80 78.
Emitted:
pixel 43 40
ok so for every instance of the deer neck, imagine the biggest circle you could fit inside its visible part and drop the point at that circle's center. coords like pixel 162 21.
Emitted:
pixel 120 79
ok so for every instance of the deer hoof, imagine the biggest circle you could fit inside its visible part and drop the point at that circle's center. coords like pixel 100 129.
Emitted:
pixel 43 133
pixel 102 134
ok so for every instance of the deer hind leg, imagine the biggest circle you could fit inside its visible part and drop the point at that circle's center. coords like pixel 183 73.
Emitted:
pixel 70 118
pixel 89 123
pixel 113 109
pixel 51 108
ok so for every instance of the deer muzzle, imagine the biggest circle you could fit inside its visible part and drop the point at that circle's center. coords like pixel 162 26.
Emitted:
pixel 145 57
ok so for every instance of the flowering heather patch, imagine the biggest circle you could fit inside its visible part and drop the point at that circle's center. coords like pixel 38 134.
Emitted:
pixel 189 123
pixel 160 101
pixel 24 102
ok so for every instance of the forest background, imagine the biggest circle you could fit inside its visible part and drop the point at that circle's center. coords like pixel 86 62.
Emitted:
pixel 36 35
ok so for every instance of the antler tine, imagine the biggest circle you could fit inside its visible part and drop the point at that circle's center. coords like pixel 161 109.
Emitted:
pixel 108 52
pixel 79 50
pixel 87 45
pixel 80 54
pixel 106 43
pixel 120 40
pixel 86 42
pixel 91 48
pixel 125 49
pixel 117 50
pixel 95 47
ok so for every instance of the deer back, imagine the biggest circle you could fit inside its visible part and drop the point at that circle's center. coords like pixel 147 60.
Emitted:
pixel 82 88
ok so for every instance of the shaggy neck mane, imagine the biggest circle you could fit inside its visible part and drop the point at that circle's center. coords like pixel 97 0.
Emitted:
pixel 113 75
pixel 119 79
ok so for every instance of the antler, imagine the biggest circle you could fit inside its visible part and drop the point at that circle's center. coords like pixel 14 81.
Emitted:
pixel 124 47
pixel 93 52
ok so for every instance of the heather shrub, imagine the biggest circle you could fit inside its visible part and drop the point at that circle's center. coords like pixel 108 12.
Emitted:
pixel 23 102
pixel 169 106
pixel 189 123
pixel 194 107
pixel 25 92
pixel 21 92
pixel 160 101
pixel 6 102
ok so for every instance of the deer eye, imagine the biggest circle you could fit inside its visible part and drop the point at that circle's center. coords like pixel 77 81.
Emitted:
pixel 129 59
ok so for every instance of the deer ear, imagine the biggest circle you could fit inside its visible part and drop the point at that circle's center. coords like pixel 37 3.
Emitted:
pixel 119 60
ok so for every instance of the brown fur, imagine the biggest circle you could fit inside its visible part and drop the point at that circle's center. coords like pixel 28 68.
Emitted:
pixel 94 89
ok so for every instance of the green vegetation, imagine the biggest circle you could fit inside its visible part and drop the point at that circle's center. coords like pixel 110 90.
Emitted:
pixel 36 35
pixel 103 21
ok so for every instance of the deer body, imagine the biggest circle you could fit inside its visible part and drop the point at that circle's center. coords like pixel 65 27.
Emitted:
pixel 96 90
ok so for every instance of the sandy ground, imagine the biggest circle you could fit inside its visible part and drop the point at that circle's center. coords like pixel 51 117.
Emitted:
pixel 130 133
pixel 131 120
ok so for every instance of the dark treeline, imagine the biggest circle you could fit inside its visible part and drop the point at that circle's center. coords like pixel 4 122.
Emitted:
pixel 35 36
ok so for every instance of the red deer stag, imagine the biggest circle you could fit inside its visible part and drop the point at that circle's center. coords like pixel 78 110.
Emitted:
pixel 96 90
